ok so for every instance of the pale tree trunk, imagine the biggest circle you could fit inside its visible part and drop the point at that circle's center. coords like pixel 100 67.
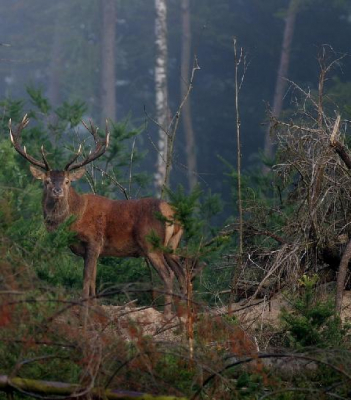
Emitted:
pixel 108 57
pixel 161 91
pixel 281 82
pixel 184 85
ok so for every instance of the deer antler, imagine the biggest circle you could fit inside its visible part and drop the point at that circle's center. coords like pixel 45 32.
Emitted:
pixel 15 139
pixel 100 148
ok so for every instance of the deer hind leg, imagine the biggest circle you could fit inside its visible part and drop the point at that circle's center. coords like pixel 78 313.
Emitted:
pixel 158 261
pixel 173 235
pixel 92 288
pixel 173 262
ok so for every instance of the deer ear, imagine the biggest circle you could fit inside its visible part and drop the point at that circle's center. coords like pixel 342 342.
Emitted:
pixel 73 176
pixel 37 173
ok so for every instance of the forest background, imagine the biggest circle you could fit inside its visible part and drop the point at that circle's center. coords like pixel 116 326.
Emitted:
pixel 284 235
pixel 59 48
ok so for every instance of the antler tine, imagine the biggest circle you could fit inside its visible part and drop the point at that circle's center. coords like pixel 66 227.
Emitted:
pixel 68 165
pixel 92 129
pixel 15 140
pixel 47 166
pixel 100 147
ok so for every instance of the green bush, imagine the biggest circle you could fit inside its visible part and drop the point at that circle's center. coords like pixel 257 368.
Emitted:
pixel 312 322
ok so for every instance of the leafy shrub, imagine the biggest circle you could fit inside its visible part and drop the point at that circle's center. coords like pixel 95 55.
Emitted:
pixel 313 322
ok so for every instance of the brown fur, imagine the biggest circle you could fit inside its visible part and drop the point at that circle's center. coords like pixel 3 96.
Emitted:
pixel 115 228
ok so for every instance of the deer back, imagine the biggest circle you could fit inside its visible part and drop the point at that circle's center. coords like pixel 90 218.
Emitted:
pixel 122 228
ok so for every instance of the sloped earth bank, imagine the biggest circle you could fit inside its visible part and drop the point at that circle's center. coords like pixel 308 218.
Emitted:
pixel 259 318
pixel 262 312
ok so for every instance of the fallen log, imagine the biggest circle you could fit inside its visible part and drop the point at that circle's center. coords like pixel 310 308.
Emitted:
pixel 66 390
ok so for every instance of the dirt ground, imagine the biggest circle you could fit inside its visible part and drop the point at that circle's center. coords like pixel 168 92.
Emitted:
pixel 254 317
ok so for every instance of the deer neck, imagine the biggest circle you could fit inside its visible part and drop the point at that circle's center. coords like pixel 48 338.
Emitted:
pixel 57 210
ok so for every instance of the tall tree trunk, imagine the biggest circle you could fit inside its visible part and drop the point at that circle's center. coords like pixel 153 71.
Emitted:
pixel 184 83
pixel 108 57
pixel 282 74
pixel 161 90
pixel 55 67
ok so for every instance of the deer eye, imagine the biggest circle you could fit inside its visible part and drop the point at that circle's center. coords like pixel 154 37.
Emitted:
pixel 47 181
pixel 67 181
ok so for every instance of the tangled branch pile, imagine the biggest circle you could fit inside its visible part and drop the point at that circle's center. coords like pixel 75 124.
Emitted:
pixel 306 225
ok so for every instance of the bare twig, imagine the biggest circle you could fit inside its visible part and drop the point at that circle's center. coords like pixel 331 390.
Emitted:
pixel 173 127
pixel 130 168
pixel 114 180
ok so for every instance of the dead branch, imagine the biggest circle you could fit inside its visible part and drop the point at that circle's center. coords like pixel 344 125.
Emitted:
pixel 339 148
pixel 340 284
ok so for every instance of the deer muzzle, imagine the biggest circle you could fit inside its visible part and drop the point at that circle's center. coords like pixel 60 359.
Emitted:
pixel 57 192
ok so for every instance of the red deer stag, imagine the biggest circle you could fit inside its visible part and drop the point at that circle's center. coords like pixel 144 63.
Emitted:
pixel 105 227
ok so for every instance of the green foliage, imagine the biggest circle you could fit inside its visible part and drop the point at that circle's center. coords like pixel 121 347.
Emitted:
pixel 202 242
pixel 20 199
pixel 176 370
pixel 249 384
pixel 71 112
pixel 155 241
pixel 123 157
pixel 38 100
pixel 312 322
pixel 186 207
pixel 265 197
pixel 195 212
pixel 11 109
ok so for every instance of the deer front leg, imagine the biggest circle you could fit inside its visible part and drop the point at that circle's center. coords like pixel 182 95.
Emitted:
pixel 89 277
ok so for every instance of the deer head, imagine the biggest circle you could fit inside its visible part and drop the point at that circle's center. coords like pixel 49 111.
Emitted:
pixel 57 183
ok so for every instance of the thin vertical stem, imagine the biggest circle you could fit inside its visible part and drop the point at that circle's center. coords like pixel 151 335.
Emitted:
pixel 238 143
pixel 130 169
pixel 238 59
pixel 190 312
pixel 189 134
